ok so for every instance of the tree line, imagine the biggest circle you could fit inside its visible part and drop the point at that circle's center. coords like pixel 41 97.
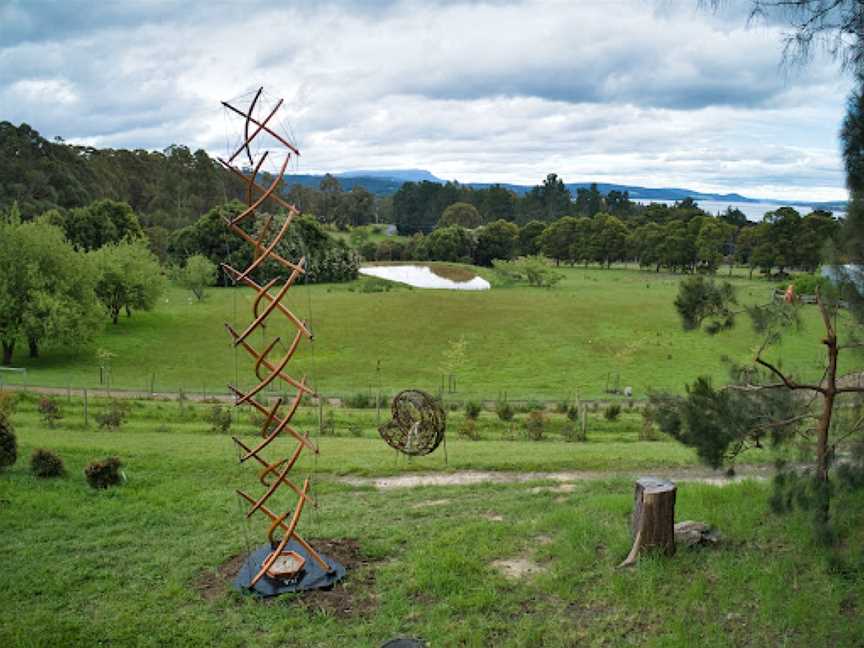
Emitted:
pixel 680 238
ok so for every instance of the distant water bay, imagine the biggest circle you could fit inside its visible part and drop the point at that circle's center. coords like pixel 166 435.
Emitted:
pixel 753 210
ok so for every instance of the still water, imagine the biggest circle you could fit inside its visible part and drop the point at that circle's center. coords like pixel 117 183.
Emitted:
pixel 753 211
pixel 422 277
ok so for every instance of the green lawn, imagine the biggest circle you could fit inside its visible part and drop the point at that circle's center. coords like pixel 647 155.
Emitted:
pixel 138 565
pixel 525 342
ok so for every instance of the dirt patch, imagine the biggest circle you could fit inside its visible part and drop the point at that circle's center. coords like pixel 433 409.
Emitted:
pixel 492 516
pixel 560 488
pixel 428 503
pixel 355 595
pixel 470 477
pixel 543 539
pixel 518 568
pixel 211 586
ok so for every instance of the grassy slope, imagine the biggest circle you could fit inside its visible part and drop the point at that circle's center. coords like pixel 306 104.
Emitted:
pixel 90 568
pixel 527 342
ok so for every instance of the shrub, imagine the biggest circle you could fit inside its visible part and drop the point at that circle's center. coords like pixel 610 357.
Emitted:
pixel 104 473
pixel 472 410
pixel 8 403
pixel 44 463
pixel 612 412
pixel 535 425
pixel 360 400
pixel 533 406
pixel 354 429
pixel 113 416
pixel 504 410
pixel 328 424
pixel 647 431
pixel 573 413
pixel 468 430
pixel 8 443
pixel 49 410
pixel 561 407
pixel 219 418
pixel 572 432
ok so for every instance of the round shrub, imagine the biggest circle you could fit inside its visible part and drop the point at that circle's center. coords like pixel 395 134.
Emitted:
pixel 612 412
pixel 219 419
pixel 472 410
pixel 535 425
pixel 504 411
pixel 8 443
pixel 104 473
pixel 468 430
pixel 49 410
pixel 114 415
pixel 44 463
pixel 573 413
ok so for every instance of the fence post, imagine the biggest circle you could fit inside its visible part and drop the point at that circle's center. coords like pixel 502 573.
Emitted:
pixel 86 421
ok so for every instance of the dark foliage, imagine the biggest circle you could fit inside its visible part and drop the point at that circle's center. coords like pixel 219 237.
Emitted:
pixel 104 473
pixel 722 423
pixel 44 463
pixel 504 410
pixel 472 410
pixel 113 416
pixel 535 425
pixel 702 300
pixel 612 412
pixel 49 410
pixel 219 418
pixel 8 442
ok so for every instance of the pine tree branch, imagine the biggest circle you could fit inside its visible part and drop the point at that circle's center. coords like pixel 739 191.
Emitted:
pixel 790 384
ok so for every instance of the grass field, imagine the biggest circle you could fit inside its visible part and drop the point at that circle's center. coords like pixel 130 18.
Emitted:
pixel 140 564
pixel 525 342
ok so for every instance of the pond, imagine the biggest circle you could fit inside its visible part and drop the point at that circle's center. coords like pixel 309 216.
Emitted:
pixel 424 277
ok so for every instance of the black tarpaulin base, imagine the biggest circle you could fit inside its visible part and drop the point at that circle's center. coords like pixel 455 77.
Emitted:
pixel 312 577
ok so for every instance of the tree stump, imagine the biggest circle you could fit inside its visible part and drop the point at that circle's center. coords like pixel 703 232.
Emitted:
pixel 653 522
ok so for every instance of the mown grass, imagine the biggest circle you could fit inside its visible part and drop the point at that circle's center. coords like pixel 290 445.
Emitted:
pixel 121 567
pixel 596 328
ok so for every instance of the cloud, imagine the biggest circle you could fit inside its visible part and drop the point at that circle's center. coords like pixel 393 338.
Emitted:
pixel 625 90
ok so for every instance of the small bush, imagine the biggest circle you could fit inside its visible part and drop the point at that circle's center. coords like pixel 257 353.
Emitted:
pixel 360 400
pixel 104 473
pixel 468 430
pixel 504 410
pixel 573 413
pixel 328 424
pixel 163 428
pixel 561 407
pixel 219 418
pixel 647 432
pixel 534 406
pixel 472 410
pixel 572 432
pixel 49 410
pixel 8 443
pixel 113 416
pixel 535 425
pixel 8 403
pixel 354 429
pixel 44 463
pixel 612 412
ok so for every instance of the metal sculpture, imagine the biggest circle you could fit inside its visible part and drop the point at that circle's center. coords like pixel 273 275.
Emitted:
pixel 418 423
pixel 269 367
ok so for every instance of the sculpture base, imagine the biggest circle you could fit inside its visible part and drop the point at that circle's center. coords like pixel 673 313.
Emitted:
pixel 310 578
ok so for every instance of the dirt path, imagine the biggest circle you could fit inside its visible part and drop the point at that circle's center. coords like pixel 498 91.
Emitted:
pixel 470 477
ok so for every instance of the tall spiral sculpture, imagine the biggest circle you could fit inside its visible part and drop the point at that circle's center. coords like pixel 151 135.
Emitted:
pixel 278 564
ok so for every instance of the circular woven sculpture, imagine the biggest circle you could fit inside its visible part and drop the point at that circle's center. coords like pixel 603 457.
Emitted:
pixel 418 423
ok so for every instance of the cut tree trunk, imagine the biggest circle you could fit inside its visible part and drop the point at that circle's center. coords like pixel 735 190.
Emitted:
pixel 33 345
pixel 653 522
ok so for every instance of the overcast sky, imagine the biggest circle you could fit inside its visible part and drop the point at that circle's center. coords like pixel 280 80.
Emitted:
pixel 648 92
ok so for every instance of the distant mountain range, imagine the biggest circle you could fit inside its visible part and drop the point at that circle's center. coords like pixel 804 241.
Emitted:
pixel 385 182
